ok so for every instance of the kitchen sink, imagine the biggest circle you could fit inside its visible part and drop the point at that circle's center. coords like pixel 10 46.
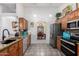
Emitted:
pixel 7 41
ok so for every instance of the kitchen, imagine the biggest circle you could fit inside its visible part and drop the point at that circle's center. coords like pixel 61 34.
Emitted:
pixel 14 31
pixel 54 27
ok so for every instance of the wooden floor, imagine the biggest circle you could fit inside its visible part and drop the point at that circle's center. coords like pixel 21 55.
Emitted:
pixel 42 50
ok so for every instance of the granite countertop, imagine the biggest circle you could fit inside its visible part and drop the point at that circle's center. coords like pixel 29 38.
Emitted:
pixel 3 46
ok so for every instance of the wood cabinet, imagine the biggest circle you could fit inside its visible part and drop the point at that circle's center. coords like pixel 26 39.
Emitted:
pixel 15 49
pixel 78 13
pixel 4 51
pixel 23 23
pixel 74 15
pixel 59 42
pixel 20 47
pixel 64 23
pixel 78 49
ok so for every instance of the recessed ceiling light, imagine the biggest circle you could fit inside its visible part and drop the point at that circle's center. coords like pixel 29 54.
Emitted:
pixel 50 15
pixel 34 15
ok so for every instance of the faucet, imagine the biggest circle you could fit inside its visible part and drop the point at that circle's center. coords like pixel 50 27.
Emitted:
pixel 3 33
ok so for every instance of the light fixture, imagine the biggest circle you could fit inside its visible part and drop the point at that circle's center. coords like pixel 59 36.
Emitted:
pixel 34 15
pixel 50 15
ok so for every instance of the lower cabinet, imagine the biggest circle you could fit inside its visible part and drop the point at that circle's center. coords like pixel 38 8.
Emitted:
pixel 20 48
pixel 59 42
pixel 15 49
pixel 77 50
pixel 4 51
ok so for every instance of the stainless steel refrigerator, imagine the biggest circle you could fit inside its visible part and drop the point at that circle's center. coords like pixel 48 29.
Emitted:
pixel 55 29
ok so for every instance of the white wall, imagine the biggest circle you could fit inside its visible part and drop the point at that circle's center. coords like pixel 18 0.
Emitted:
pixel 34 33
pixel 20 11
pixel 6 23
pixel 65 5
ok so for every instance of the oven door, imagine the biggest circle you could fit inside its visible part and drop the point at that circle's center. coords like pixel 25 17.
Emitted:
pixel 71 25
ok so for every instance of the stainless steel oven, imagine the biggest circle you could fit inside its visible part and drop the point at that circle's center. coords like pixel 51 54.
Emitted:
pixel 72 24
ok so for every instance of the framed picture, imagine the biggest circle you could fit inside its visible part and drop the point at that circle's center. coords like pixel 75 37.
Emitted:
pixel 14 24
pixel 32 24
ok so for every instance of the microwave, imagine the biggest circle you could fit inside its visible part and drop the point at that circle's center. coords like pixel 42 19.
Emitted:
pixel 72 24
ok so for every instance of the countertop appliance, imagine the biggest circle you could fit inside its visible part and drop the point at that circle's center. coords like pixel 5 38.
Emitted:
pixel 71 24
pixel 66 35
pixel 55 29
pixel 72 37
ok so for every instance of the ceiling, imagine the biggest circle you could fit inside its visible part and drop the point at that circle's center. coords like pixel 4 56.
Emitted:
pixel 44 4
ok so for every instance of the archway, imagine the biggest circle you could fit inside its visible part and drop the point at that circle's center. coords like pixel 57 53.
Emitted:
pixel 41 30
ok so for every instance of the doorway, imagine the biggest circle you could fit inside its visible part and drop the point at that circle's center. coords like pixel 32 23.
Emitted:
pixel 40 32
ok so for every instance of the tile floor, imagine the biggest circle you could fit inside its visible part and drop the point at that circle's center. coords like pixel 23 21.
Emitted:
pixel 42 50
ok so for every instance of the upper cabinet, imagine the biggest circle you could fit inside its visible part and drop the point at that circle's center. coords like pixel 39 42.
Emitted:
pixel 23 23
pixel 64 22
pixel 73 15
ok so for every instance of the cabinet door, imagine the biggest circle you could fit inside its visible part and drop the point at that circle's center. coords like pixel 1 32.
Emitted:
pixel 4 52
pixel 77 50
pixel 20 49
pixel 23 23
pixel 59 42
pixel 64 23
pixel 76 14
pixel 13 49
pixel 71 16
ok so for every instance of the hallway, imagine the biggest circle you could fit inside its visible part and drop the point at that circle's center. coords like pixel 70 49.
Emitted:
pixel 42 50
